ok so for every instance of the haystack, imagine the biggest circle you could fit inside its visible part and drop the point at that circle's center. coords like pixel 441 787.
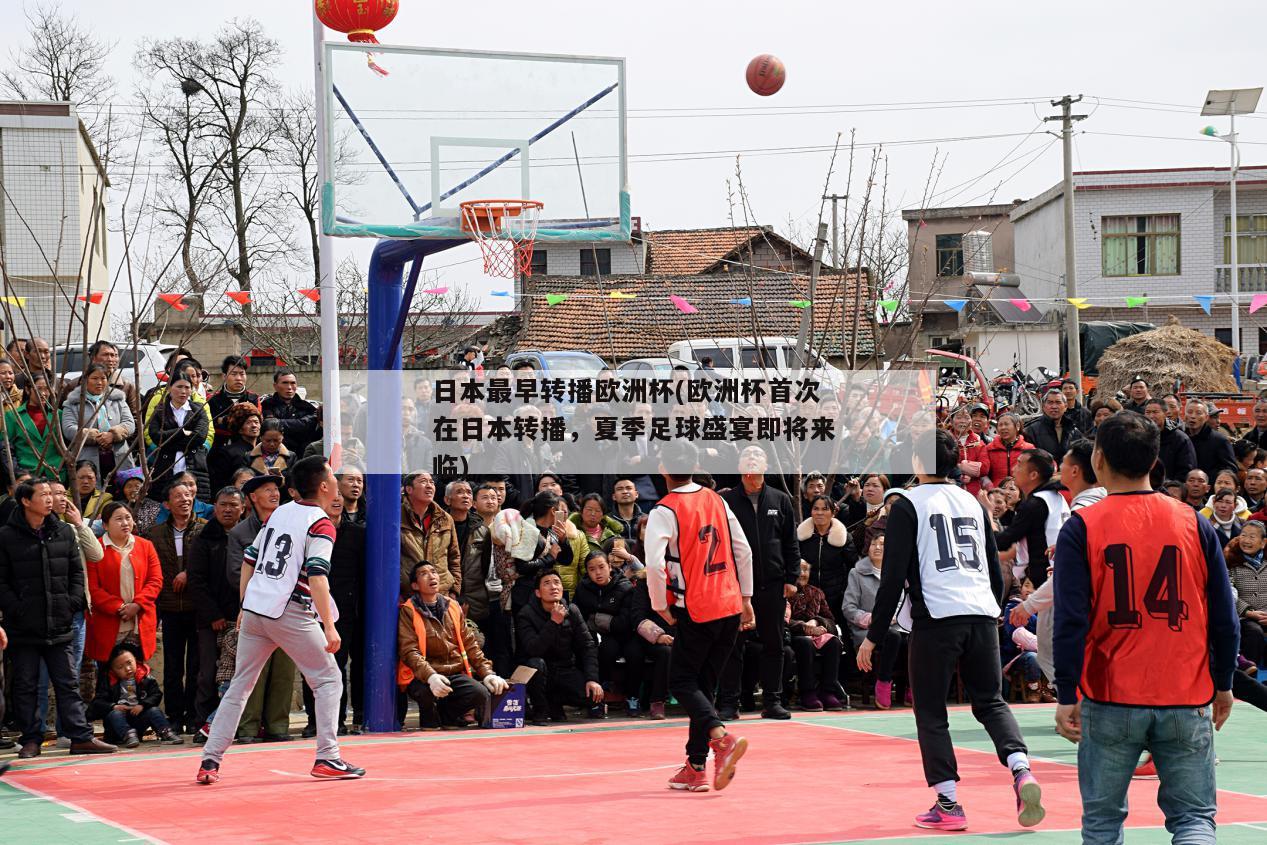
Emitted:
pixel 1165 355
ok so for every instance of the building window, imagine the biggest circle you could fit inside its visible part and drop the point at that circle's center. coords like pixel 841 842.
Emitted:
pixel 595 262
pixel 950 255
pixel 1140 245
pixel 538 266
pixel 1223 336
pixel 1251 245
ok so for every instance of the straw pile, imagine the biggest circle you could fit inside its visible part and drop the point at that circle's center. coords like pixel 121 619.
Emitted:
pixel 1165 355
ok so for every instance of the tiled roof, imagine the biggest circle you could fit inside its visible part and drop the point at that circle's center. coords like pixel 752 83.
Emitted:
pixel 684 252
pixel 645 325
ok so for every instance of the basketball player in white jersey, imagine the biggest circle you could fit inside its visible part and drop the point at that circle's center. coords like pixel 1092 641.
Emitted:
pixel 286 604
pixel 940 549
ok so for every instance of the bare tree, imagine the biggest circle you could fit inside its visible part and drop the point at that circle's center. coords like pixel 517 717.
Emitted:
pixel 233 74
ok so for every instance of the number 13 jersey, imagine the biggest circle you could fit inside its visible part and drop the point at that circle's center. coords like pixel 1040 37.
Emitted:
pixel 1148 643
pixel 950 541
pixel 296 542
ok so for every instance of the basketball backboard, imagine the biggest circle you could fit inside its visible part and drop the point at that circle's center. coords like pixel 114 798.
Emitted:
pixel 441 127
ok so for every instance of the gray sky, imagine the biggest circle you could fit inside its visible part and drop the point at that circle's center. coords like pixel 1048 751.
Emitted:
pixel 691 55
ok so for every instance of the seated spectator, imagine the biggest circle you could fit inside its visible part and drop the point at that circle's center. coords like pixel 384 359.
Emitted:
pixel 864 582
pixel 1019 646
pixel 655 640
pixel 998 507
pixel 123 587
pixel 553 639
pixel 88 493
pixel 603 596
pixel 594 522
pixel 30 427
pixel 97 424
pixel 127 700
pixel 441 664
pixel 270 455
pixel 621 558
pixel 236 439
pixel 826 546
pixel 813 630
pixel 179 428
pixel 1248 570
pixel 1223 516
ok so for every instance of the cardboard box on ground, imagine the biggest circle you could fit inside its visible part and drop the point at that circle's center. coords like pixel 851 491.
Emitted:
pixel 510 709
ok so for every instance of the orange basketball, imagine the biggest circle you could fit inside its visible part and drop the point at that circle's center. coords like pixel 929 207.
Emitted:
pixel 765 74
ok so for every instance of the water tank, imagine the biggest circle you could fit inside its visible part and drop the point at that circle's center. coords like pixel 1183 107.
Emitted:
pixel 978 255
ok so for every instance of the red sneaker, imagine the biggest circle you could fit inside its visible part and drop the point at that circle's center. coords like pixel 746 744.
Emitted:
pixel 726 753
pixel 208 772
pixel 689 779
pixel 1146 769
pixel 883 695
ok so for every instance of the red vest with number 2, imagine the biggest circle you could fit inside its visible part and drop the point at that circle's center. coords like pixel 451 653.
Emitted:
pixel 710 583
pixel 1148 645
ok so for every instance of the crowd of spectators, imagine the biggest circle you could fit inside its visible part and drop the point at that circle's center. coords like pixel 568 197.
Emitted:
pixel 126 533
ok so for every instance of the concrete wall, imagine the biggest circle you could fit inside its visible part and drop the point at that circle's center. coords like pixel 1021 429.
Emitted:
pixel 564 259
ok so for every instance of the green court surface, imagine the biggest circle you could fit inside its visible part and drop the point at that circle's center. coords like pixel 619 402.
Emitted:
pixel 824 778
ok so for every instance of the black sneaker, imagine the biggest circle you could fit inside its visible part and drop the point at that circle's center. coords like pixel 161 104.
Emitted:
pixel 309 731
pixel 727 714
pixel 335 770
pixel 776 711
pixel 597 711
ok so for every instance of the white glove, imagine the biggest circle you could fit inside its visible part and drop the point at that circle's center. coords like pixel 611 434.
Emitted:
pixel 495 685
pixel 440 686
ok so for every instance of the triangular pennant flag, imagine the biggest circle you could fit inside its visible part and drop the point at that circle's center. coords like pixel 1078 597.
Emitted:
pixel 1259 300
pixel 745 301
pixel 19 301
pixel 1021 304
pixel 889 305
pixel 1079 302
pixel 1136 301
pixel 799 303
pixel 94 298
pixel 555 298
pixel 957 304
pixel 1204 300
pixel 241 297
pixel 312 293
pixel 620 294
pixel 682 305
pixel 436 291
pixel 502 293
pixel 174 300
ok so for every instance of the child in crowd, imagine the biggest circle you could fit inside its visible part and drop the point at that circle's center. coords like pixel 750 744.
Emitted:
pixel 127 700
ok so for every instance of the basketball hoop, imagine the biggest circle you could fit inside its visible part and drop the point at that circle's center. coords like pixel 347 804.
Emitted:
pixel 505 231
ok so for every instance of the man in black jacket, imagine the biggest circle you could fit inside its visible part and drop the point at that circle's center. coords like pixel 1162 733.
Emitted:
pixel 1214 450
pixel 41 589
pixel 1139 395
pixel 301 423
pixel 1258 434
pixel 1077 414
pixel 1176 455
pixel 1030 526
pixel 769 524
pixel 215 600
pixel 1052 432
pixel 232 391
pixel 553 639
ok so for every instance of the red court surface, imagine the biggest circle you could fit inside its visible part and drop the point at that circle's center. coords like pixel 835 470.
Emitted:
pixel 592 785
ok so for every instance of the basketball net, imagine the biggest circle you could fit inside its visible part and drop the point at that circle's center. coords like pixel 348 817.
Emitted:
pixel 505 231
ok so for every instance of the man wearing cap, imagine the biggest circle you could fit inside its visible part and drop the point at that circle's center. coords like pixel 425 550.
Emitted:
pixel 1213 448
pixel 1138 395
pixel 980 413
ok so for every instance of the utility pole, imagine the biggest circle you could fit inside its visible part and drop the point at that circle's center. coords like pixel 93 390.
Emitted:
pixel 835 228
pixel 1072 320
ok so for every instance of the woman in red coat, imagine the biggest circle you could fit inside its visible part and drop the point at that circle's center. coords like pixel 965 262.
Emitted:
pixel 1004 450
pixel 971 450
pixel 124 585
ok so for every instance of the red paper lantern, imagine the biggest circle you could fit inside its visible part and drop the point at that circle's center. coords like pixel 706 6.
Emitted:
pixel 359 19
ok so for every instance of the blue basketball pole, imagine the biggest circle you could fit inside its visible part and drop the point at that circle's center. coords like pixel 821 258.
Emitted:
pixel 388 309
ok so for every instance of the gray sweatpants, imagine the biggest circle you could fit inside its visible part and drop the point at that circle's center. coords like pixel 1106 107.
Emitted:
pixel 298 633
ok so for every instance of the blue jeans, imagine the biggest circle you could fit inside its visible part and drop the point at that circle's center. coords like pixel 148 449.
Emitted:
pixel 80 629
pixel 117 723
pixel 1181 740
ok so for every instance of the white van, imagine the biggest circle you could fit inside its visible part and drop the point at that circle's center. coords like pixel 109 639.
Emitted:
pixel 749 357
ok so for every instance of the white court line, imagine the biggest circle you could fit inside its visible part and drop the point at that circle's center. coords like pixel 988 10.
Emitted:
pixel 496 777
pixel 139 836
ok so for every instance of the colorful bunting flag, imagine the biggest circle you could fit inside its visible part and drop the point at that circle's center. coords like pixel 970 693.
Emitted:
pixel 1079 302
pixel 1136 301
pixel 799 303
pixel 555 298
pixel 682 305
pixel 502 293
pixel 1259 300
pixel 436 291
pixel 745 301
pixel 241 297
pixel 174 300
pixel 957 304
pixel 19 301
pixel 94 298
pixel 889 305
pixel 312 293
pixel 620 294
pixel 1204 300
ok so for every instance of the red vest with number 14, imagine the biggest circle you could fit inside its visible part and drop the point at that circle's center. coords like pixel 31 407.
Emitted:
pixel 703 573
pixel 1148 645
